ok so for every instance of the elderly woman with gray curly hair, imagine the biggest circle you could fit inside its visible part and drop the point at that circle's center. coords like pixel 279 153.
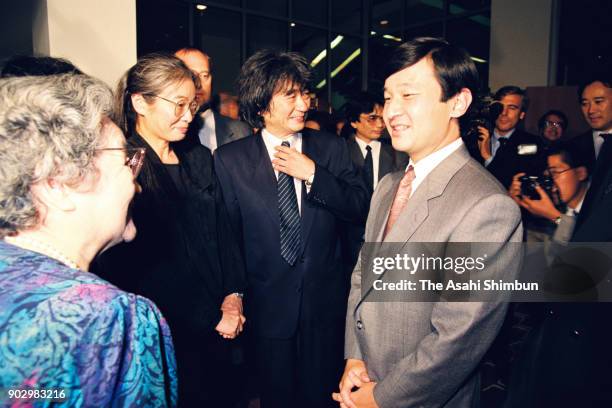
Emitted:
pixel 66 183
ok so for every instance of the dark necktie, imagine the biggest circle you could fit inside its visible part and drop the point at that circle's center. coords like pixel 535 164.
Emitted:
pixel 368 169
pixel 289 217
pixel 503 141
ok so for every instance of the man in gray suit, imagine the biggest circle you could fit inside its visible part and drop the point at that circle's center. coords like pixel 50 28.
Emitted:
pixel 209 127
pixel 425 354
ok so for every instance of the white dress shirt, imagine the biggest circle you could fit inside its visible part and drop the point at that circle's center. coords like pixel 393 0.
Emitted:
pixel 375 145
pixel 208 135
pixel 598 140
pixel 428 163
pixel 295 142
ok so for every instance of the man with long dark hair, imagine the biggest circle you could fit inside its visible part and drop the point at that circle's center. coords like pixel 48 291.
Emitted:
pixel 288 190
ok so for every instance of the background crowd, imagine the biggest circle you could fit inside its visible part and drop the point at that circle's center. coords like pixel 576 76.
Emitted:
pixel 163 245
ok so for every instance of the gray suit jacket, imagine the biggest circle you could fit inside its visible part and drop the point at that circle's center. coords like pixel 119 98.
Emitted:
pixel 228 129
pixel 425 354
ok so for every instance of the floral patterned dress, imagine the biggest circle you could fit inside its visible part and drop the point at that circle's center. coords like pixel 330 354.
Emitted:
pixel 78 340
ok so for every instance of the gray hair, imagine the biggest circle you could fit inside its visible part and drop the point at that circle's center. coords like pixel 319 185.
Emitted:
pixel 49 129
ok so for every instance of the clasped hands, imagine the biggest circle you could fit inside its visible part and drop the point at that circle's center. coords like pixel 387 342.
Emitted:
pixel 232 319
pixel 355 376
pixel 293 163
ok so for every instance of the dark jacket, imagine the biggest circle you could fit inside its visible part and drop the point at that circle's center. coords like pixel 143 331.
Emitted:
pixel 315 289
pixel 183 258
pixel 508 162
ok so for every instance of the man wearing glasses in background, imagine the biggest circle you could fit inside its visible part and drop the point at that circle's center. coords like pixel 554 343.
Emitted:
pixel 209 127
pixel 570 175
pixel 375 158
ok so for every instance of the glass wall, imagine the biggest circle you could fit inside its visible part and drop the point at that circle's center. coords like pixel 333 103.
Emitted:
pixel 346 41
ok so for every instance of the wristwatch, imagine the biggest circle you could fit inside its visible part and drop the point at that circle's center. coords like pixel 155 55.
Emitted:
pixel 309 180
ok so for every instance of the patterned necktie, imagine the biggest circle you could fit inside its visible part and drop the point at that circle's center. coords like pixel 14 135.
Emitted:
pixel 289 217
pixel 401 198
pixel 368 169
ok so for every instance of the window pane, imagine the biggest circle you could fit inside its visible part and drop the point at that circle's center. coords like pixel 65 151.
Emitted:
pixel 472 33
pixel 429 30
pixel 346 70
pixel 265 33
pixel 462 6
pixel 380 49
pixel 386 16
pixel 346 16
pixel 163 25
pixel 424 10
pixel 311 43
pixel 312 11
pixel 275 7
pixel 217 32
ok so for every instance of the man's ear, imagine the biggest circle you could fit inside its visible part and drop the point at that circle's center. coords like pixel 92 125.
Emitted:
pixel 54 195
pixel 353 125
pixel 139 103
pixel 581 173
pixel 462 102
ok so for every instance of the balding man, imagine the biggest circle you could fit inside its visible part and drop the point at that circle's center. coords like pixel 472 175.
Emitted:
pixel 209 127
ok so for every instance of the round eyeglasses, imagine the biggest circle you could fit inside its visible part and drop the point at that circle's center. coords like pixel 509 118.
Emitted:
pixel 180 107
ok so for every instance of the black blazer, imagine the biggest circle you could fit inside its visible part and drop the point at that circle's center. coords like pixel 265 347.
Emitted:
pixel 183 257
pixel 583 146
pixel 507 162
pixel 389 161
pixel 315 288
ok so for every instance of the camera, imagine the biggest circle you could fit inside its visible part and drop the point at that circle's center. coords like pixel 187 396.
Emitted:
pixel 529 183
pixel 483 112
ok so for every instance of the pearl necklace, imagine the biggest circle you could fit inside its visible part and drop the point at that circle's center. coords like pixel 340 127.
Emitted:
pixel 38 246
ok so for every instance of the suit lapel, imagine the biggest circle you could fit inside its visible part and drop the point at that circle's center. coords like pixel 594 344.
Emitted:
pixel 355 152
pixel 308 211
pixel 417 208
pixel 264 178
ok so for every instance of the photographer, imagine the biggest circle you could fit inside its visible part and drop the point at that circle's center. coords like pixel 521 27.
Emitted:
pixel 510 150
pixel 558 203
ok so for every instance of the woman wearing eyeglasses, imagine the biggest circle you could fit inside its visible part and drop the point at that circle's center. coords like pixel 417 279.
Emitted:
pixel 66 183
pixel 184 258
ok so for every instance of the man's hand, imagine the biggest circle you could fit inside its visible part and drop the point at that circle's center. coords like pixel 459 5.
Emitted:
pixel 355 375
pixel 231 325
pixel 232 303
pixel 484 142
pixel 515 187
pixel 293 163
pixel 362 398
pixel 544 207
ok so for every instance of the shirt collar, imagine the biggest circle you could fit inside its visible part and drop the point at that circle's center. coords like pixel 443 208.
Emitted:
pixel 428 163
pixel 274 141
pixel 374 144
pixel 497 136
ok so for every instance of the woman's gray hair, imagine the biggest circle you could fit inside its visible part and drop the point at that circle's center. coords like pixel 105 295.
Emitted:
pixel 49 129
